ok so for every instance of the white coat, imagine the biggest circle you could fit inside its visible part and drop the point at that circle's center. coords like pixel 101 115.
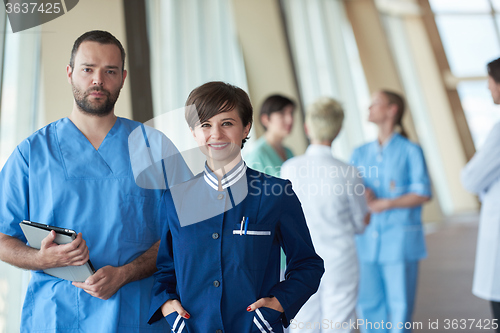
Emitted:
pixel 332 197
pixel 482 176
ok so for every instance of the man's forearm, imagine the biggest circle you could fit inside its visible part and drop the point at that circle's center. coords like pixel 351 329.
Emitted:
pixel 143 266
pixel 15 252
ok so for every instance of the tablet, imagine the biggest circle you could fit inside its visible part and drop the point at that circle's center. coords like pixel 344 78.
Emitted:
pixel 36 232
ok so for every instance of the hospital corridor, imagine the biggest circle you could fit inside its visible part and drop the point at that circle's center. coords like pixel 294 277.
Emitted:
pixel 372 126
pixel 446 277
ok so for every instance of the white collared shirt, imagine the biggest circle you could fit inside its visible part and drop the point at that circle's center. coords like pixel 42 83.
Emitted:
pixel 331 193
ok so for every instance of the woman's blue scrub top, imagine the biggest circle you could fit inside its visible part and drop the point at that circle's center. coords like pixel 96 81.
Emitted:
pixel 390 171
pixel 57 177
pixel 216 269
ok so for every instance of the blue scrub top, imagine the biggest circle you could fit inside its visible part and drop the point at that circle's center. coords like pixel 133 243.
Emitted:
pixel 216 270
pixel 57 177
pixel 390 171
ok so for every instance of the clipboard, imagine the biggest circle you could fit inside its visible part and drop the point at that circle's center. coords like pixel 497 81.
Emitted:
pixel 36 232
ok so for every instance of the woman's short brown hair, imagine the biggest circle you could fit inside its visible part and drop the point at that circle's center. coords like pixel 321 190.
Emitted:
pixel 216 97
pixel 274 103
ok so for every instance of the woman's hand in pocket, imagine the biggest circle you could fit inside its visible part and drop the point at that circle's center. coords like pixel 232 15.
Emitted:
pixel 173 305
pixel 266 302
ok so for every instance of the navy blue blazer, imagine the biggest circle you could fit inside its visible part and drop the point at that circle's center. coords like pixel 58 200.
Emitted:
pixel 218 266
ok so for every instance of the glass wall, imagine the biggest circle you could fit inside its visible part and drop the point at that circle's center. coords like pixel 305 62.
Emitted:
pixel 406 65
pixel 327 64
pixel 191 42
pixel 470 34
pixel 19 111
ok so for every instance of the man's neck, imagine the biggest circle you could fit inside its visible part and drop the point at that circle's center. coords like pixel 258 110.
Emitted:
pixel 94 128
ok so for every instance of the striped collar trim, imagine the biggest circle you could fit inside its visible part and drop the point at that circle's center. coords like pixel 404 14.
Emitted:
pixel 229 178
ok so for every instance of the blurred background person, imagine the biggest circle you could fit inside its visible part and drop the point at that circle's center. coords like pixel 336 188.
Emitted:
pixel 332 196
pixel 397 182
pixel 268 153
pixel 482 176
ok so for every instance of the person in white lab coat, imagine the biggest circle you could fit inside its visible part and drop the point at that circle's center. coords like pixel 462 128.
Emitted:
pixel 332 197
pixel 482 176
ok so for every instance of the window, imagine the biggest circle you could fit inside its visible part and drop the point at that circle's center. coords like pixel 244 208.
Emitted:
pixel 19 110
pixel 470 34
pixel 192 42
pixel 327 64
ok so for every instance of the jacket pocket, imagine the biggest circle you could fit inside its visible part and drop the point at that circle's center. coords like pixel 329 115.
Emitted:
pixel 251 248
pixel 267 320
pixel 176 322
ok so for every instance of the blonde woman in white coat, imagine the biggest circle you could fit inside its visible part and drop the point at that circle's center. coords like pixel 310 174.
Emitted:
pixel 332 197
pixel 482 176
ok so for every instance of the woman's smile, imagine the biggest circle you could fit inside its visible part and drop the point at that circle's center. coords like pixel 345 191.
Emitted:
pixel 218 146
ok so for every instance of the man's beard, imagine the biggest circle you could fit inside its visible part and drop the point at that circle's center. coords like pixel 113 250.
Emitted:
pixel 96 108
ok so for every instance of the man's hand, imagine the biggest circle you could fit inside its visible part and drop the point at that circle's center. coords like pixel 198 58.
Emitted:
pixel 173 305
pixel 53 255
pixel 266 302
pixel 104 283
pixel 107 280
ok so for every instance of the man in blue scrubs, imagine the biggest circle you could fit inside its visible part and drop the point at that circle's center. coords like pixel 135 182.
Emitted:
pixel 76 173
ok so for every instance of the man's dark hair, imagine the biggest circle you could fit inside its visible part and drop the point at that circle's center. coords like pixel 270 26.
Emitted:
pixel 494 70
pixel 274 103
pixel 216 97
pixel 99 36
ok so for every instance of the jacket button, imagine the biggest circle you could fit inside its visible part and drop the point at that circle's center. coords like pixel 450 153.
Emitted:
pixel 215 235
pixel 218 331
pixel 220 196
pixel 216 285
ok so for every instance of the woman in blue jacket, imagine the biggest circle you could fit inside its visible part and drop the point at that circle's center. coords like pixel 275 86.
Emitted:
pixel 397 184
pixel 219 258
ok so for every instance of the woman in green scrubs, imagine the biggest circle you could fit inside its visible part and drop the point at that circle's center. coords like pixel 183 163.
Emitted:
pixel 268 153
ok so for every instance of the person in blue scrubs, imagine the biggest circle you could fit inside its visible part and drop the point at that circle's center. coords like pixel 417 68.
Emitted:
pixel 76 173
pixel 397 184
pixel 219 257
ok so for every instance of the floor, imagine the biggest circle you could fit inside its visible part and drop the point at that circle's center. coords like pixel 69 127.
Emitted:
pixel 444 300
pixel 446 281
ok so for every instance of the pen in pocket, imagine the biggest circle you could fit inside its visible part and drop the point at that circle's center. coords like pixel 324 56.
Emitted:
pixel 241 227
